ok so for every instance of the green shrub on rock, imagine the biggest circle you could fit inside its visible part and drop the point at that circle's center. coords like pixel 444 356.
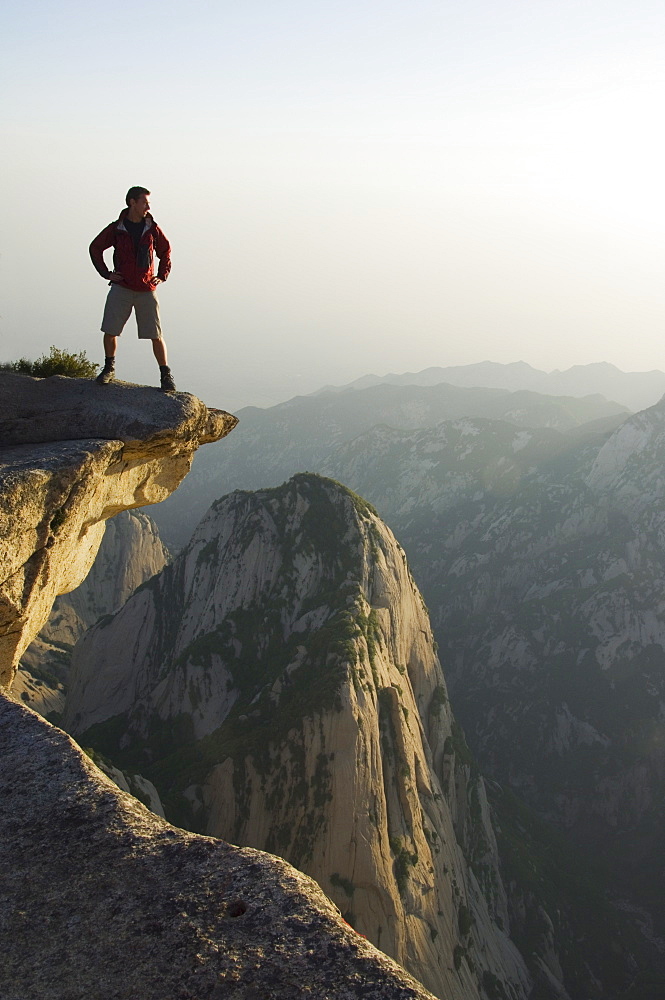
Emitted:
pixel 56 362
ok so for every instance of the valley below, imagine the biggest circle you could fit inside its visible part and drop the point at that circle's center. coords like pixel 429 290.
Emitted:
pixel 411 640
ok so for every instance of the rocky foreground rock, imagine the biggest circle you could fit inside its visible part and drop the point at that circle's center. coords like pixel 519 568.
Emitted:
pixel 101 898
pixel 72 454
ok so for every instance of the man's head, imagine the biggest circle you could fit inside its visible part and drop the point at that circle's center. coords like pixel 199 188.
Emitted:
pixel 134 194
pixel 137 202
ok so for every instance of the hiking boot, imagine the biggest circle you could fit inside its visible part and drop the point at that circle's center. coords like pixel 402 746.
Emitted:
pixel 166 379
pixel 106 375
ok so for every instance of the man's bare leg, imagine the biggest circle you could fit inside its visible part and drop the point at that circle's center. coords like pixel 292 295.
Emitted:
pixel 110 345
pixel 159 350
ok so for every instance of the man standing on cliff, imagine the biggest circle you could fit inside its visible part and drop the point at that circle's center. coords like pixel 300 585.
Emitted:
pixel 136 239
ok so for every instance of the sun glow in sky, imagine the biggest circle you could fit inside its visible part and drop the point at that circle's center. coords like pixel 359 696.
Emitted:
pixel 348 187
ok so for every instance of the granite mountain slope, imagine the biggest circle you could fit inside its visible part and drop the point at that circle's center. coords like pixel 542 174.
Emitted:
pixel 411 473
pixel 545 573
pixel 279 685
pixel 550 604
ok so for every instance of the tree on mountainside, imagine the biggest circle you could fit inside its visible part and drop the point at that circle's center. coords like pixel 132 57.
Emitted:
pixel 56 362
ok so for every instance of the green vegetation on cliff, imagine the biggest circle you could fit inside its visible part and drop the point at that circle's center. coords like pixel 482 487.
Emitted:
pixel 278 676
pixel 56 362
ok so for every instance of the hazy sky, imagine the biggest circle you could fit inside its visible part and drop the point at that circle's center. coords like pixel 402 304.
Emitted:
pixel 348 187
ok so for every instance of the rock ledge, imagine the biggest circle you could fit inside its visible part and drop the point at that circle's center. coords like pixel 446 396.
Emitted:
pixel 73 454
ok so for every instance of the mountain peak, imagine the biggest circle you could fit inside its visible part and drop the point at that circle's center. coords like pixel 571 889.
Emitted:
pixel 291 661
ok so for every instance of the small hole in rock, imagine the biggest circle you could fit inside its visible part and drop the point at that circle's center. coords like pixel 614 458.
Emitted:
pixel 237 908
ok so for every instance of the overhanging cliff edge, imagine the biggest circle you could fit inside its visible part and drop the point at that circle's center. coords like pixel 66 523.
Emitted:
pixel 72 454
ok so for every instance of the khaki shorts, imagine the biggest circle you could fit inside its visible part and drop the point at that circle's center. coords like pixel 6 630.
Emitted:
pixel 119 304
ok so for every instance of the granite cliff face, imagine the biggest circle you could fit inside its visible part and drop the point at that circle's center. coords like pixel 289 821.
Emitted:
pixel 541 559
pixel 549 602
pixel 288 658
pixel 73 454
pixel 130 553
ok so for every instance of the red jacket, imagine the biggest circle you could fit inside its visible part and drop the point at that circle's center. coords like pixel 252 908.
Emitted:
pixel 136 269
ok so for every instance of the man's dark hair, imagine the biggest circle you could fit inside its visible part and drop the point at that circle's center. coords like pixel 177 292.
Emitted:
pixel 135 193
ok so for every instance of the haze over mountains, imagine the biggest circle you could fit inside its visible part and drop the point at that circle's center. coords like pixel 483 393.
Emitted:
pixel 270 445
pixel 636 390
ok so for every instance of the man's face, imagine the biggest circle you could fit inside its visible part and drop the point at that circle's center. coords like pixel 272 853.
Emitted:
pixel 141 206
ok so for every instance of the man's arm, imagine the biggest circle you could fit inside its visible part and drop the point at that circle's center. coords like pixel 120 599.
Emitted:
pixel 163 251
pixel 97 248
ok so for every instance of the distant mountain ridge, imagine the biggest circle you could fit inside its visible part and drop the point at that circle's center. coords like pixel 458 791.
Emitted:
pixel 636 390
pixel 271 445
